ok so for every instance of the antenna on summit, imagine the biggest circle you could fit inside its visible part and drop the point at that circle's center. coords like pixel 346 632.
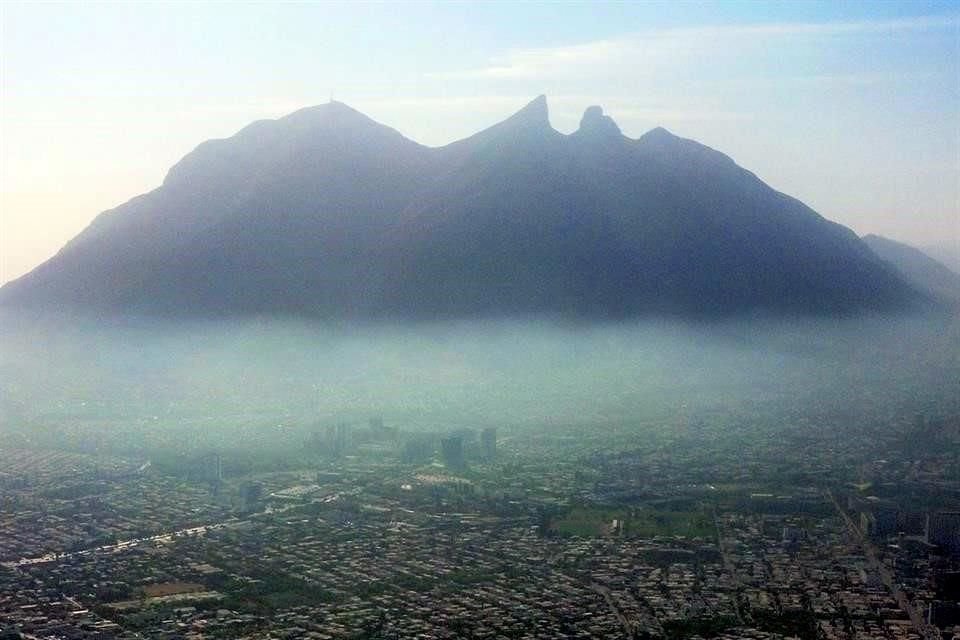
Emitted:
pixel 331 97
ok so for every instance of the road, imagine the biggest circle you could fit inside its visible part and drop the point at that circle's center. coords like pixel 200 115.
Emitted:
pixel 728 565
pixel 160 537
pixel 605 592
pixel 870 552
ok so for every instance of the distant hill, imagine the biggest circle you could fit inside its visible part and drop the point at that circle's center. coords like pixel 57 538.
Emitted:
pixel 325 212
pixel 946 254
pixel 918 268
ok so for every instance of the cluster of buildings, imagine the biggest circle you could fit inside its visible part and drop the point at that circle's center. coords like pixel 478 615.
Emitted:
pixel 543 535
pixel 456 447
pixel 54 502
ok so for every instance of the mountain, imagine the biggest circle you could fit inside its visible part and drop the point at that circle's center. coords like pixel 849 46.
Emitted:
pixel 918 268
pixel 947 254
pixel 326 212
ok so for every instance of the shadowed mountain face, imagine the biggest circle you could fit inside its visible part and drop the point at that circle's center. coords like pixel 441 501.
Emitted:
pixel 325 212
pixel 918 268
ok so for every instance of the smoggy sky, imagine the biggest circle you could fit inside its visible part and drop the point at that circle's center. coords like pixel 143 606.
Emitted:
pixel 853 108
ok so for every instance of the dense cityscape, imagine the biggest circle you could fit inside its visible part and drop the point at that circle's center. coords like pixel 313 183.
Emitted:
pixel 370 531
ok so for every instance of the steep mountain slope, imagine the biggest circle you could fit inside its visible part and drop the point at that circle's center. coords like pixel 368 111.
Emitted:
pixel 917 268
pixel 268 220
pixel 326 212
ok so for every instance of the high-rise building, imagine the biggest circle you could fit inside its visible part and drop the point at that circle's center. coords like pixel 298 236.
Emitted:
pixel 944 614
pixel 488 438
pixel 878 519
pixel 793 535
pixel 341 438
pixel 417 449
pixel 452 448
pixel 212 471
pixel 250 495
pixel 379 432
pixel 943 529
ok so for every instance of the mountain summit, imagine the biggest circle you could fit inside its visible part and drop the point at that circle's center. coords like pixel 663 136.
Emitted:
pixel 594 122
pixel 326 212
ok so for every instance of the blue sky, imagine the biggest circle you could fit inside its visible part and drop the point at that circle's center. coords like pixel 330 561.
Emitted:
pixel 852 107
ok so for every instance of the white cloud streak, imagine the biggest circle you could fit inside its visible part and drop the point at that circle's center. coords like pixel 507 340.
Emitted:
pixel 650 48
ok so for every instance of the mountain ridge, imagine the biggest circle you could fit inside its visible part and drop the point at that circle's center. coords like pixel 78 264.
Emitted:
pixel 327 212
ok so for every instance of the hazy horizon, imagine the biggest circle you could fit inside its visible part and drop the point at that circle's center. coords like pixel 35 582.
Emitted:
pixel 524 372
pixel 860 96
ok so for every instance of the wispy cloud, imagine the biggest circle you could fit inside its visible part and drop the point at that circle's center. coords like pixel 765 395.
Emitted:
pixel 646 49
pixel 915 23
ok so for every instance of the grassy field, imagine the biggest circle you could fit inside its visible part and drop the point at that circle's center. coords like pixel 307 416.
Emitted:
pixel 637 522
pixel 171 588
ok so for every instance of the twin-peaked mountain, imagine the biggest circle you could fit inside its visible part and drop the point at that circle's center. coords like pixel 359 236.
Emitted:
pixel 326 212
